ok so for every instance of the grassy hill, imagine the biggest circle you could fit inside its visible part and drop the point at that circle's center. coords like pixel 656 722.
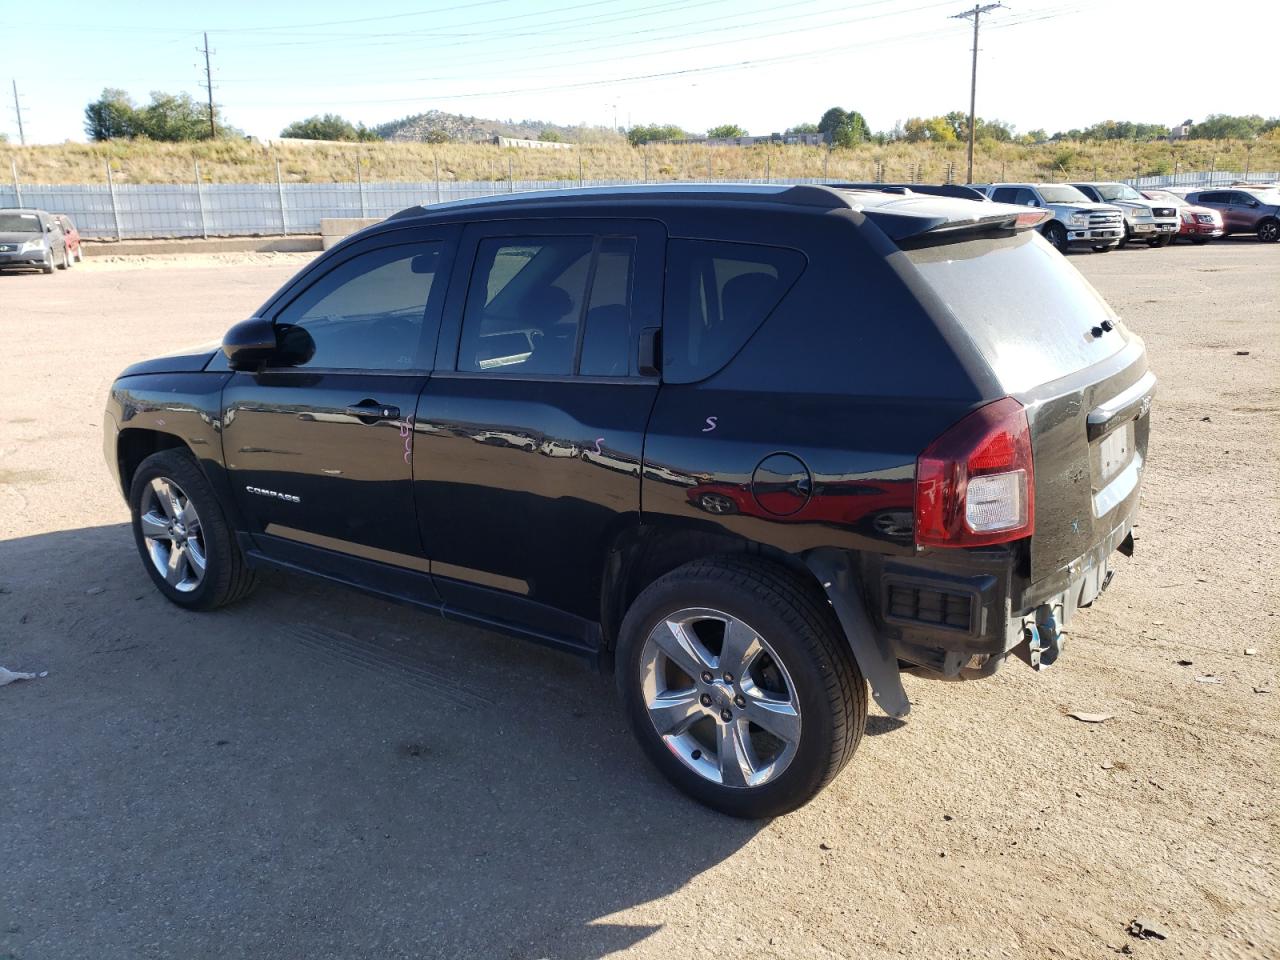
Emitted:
pixel 249 161
pixel 463 129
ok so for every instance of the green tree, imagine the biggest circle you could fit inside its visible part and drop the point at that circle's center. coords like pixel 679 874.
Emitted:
pixel 174 117
pixel 645 134
pixel 1222 126
pixel 993 130
pixel 804 128
pixel 550 136
pixel 958 121
pixel 437 136
pixel 726 131
pixel 112 116
pixel 330 126
pixel 843 128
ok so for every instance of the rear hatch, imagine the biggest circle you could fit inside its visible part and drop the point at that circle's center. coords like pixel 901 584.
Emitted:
pixel 1054 344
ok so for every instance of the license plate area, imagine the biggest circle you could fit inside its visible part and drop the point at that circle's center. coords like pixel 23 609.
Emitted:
pixel 1113 453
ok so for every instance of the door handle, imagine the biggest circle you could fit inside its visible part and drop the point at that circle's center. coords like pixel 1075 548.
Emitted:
pixel 371 411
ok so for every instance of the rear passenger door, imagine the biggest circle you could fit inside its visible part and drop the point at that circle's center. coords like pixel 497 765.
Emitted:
pixel 530 435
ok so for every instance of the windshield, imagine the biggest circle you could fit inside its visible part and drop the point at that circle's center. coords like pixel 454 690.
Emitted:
pixel 1266 196
pixel 19 223
pixel 1061 193
pixel 1117 191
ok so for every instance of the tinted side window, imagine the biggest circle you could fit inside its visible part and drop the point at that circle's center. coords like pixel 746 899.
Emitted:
pixel 1027 198
pixel 1004 195
pixel 717 295
pixel 370 312
pixel 606 340
pixel 1216 197
pixel 524 305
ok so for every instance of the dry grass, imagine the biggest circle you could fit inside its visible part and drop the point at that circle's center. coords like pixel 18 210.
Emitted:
pixel 248 162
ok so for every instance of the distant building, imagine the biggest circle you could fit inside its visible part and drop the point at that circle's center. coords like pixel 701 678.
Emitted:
pixel 1180 132
pixel 532 144
pixel 789 139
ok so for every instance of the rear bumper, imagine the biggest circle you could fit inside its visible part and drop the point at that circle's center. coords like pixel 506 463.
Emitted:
pixel 960 615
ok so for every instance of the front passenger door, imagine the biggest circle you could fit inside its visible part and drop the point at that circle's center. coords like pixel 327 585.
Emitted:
pixel 319 450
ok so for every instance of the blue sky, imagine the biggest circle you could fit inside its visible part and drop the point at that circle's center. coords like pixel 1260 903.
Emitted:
pixel 764 65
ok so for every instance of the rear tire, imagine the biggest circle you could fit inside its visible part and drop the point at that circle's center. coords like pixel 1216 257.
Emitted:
pixel 1056 234
pixel 79 254
pixel 1269 230
pixel 169 490
pixel 800 678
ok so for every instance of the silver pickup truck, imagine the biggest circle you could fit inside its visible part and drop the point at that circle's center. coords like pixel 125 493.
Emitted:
pixel 1076 220
pixel 1156 223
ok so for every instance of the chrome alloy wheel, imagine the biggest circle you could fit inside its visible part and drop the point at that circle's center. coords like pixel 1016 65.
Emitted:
pixel 174 537
pixel 720 697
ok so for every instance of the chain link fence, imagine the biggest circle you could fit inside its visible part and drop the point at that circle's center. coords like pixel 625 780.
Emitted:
pixel 146 211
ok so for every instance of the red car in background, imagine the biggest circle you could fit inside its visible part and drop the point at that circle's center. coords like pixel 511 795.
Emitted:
pixel 1197 224
pixel 72 236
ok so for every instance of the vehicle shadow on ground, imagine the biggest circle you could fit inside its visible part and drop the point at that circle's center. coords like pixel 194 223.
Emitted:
pixel 312 773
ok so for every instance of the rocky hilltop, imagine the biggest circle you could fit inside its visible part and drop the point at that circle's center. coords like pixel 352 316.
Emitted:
pixel 436 125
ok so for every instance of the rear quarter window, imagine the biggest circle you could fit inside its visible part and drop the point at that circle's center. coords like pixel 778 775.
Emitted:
pixel 1023 305
pixel 717 295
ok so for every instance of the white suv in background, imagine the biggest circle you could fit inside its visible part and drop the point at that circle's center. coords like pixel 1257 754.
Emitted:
pixel 1076 220
pixel 1156 223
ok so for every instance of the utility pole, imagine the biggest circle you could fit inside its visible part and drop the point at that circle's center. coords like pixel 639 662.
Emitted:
pixel 17 107
pixel 208 85
pixel 975 14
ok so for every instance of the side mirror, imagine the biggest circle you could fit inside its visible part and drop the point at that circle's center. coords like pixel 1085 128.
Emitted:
pixel 250 344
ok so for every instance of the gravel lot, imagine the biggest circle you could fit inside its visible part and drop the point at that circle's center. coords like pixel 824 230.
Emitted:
pixel 317 774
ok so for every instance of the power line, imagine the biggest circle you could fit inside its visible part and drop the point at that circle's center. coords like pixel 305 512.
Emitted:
pixel 17 108
pixel 553 51
pixel 976 15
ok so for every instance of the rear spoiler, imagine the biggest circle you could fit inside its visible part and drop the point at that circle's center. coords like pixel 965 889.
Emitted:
pixel 901 227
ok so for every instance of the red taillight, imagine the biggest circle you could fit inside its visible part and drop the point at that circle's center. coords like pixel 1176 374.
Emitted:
pixel 975 484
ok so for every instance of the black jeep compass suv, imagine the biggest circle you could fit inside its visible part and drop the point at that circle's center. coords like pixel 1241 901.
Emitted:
pixel 750 448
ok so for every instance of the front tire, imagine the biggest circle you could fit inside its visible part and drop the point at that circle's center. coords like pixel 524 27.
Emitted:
pixel 1269 230
pixel 1157 242
pixel 1104 247
pixel 186 544
pixel 47 266
pixel 740 685
pixel 1056 234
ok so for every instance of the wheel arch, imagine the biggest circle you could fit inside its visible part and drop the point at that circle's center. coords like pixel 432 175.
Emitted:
pixel 135 444
pixel 643 553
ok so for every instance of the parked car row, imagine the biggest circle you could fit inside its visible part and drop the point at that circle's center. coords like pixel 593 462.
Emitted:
pixel 1104 215
pixel 37 239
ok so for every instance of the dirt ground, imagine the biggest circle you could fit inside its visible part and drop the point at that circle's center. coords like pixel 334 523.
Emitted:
pixel 313 773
